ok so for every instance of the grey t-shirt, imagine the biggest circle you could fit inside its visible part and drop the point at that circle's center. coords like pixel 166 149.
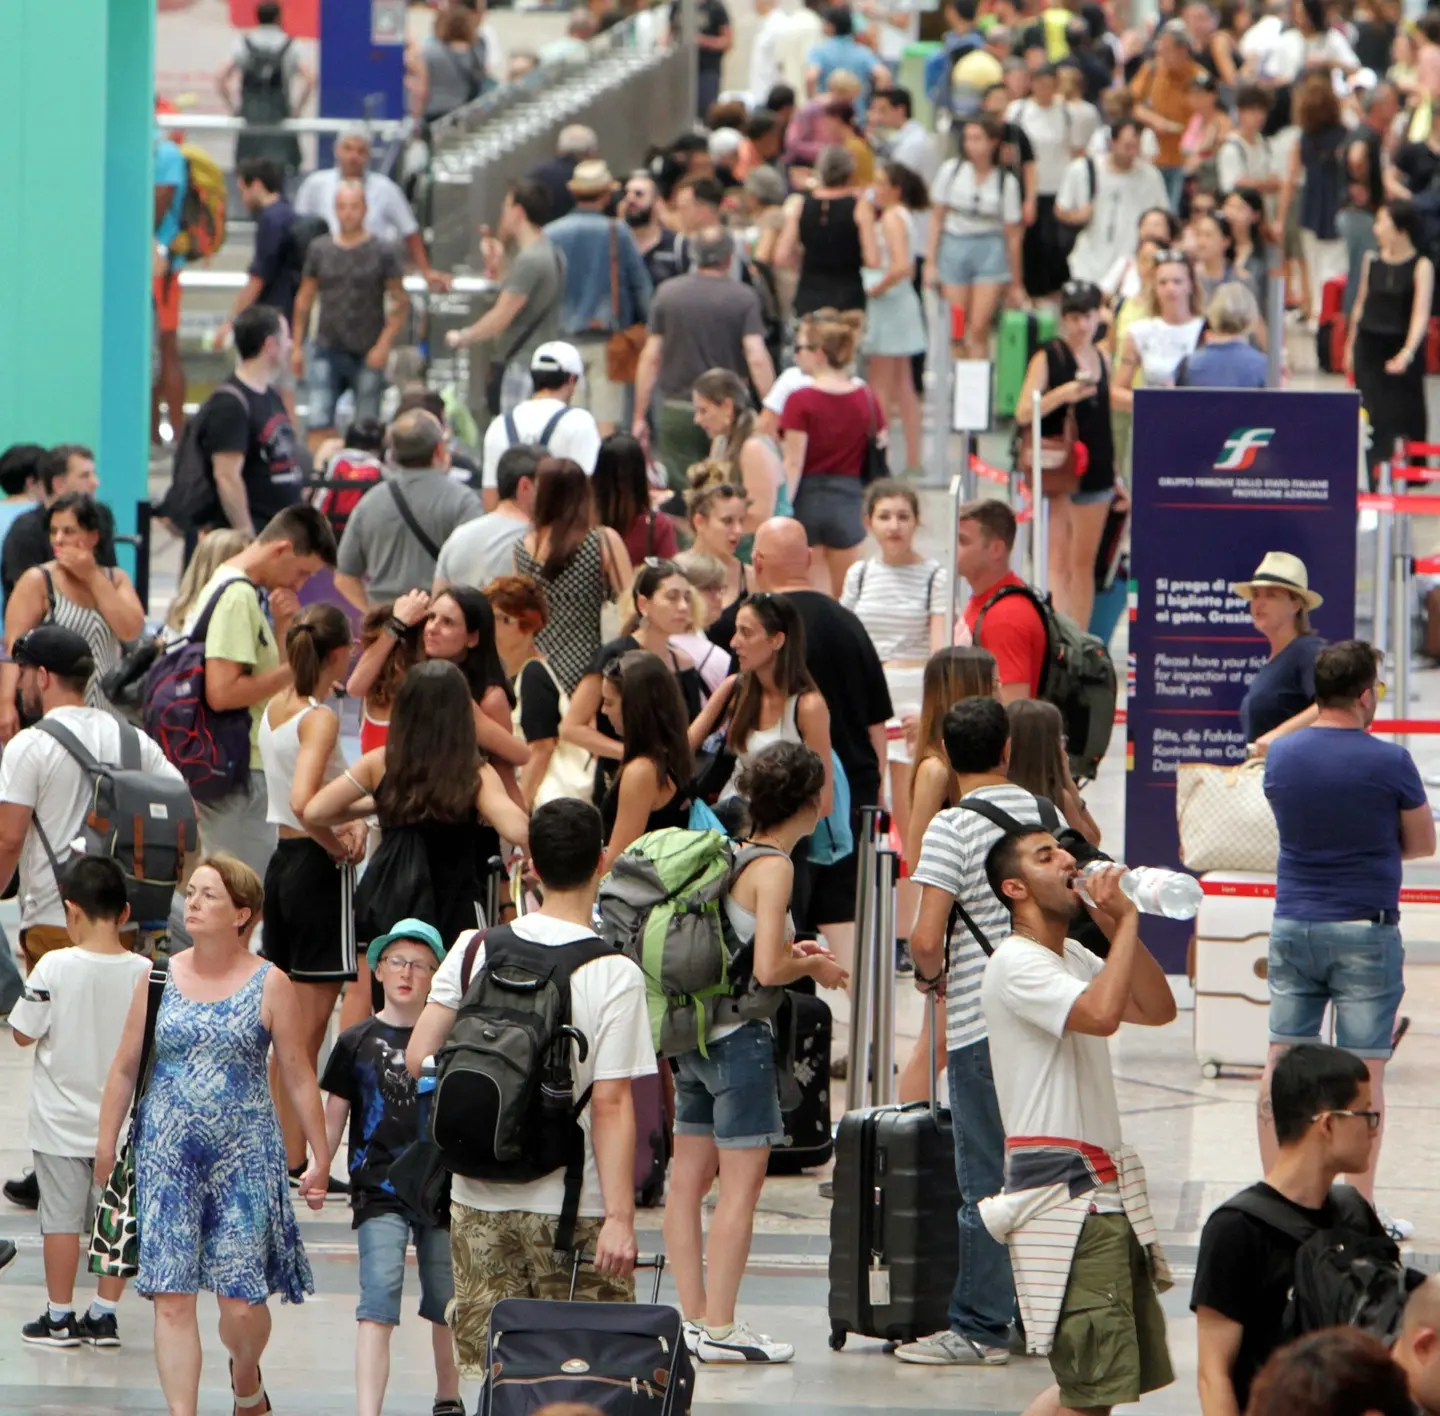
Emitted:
pixel 481 550
pixel 351 281
pixel 537 273
pixel 379 545
pixel 703 320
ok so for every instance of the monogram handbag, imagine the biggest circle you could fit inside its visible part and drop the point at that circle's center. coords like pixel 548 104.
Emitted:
pixel 115 1235
pixel 622 349
pixel 1224 818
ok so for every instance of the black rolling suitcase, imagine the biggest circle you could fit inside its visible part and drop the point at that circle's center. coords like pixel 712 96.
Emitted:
pixel 626 1359
pixel 894 1225
pixel 804 1029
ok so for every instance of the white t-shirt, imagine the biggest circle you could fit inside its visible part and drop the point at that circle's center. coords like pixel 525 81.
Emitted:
pixel 607 1004
pixel 952 858
pixel 387 213
pixel 786 382
pixel 1085 122
pixel 894 603
pixel 37 772
pixel 575 436
pixel 74 1005
pixel 1236 159
pixel 1049 1082
pixel 972 209
pixel 1099 143
pixel 1120 199
pixel 1051 134
pixel 1162 346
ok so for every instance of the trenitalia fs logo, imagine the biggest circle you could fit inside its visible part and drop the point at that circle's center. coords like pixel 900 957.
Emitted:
pixel 1242 447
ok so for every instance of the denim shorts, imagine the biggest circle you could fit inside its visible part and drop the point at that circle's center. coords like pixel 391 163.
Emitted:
pixel 332 371
pixel 1105 494
pixel 732 1094
pixel 1355 965
pixel 382 1240
pixel 973 260
pixel 829 506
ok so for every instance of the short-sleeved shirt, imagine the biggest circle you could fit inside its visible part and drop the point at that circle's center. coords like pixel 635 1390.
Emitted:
pixel 387 213
pixel 1284 686
pixel 482 550
pixel 26 541
pixel 976 208
pixel 1049 1082
pixel 1013 632
pixel 1166 92
pixel 1226 363
pixel 35 771
pixel 895 602
pixel 607 1005
pixel 1120 199
pixel 844 52
pixel 837 427
pixel 367 1068
pixel 74 1006
pixel 704 320
pixel 952 858
pixel 256 425
pixel 712 17
pixel 171 170
pixel 537 273
pixel 1337 794
pixel 240 633
pixel 575 436
pixel 273 262
pixel 351 281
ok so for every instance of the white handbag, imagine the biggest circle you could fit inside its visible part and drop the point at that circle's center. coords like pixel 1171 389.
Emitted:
pixel 571 770
pixel 1224 818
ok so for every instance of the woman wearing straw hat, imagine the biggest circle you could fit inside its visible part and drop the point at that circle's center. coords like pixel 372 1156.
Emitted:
pixel 1280 698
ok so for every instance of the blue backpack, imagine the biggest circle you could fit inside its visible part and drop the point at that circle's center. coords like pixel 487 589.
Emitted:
pixel 940 65
pixel 833 839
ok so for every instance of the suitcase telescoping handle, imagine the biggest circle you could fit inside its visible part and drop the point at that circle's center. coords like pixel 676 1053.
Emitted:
pixel 657 1263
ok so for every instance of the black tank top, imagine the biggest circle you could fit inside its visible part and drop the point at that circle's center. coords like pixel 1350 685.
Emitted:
pixel 1092 417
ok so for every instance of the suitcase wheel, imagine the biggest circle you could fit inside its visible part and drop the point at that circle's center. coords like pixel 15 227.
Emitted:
pixel 837 1338
pixel 1210 1070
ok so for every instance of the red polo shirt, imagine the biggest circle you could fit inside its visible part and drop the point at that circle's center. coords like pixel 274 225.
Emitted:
pixel 1013 632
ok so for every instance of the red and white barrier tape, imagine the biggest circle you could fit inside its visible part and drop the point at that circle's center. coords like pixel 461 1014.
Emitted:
pixel 1263 890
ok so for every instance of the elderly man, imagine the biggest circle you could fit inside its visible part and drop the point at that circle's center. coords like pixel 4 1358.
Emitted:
pixel 356 275
pixel 387 213
pixel 575 145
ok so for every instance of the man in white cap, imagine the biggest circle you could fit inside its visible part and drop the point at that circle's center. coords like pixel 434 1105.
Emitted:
pixel 545 419
pixel 607 288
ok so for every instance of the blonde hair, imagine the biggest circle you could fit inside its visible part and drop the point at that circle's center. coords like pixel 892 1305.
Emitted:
pixel 701 569
pixel 214 548
pixel 710 481
pixel 842 83
pixel 837 336
pixel 242 885
pixel 1232 309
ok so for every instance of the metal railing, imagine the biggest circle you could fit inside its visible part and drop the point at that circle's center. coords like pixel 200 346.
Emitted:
pixel 193 278
pixel 233 123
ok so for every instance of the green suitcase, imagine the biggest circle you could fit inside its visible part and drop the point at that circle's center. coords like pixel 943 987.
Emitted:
pixel 1022 332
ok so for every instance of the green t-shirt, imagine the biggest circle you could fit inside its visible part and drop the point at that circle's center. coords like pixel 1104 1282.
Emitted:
pixel 239 632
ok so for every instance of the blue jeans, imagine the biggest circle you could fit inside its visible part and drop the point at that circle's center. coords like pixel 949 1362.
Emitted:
pixel 332 371
pixel 11 986
pixel 1174 185
pixel 731 1094
pixel 983 1303
pixel 382 1240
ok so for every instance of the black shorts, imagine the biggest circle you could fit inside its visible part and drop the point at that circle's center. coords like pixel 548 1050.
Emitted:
pixel 304 933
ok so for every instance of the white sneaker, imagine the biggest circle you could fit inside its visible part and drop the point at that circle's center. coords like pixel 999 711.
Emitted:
pixel 951 1349
pixel 742 1344
pixel 691 1333
pixel 1399 1230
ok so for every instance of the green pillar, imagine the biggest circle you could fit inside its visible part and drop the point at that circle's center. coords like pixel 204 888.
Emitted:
pixel 76 214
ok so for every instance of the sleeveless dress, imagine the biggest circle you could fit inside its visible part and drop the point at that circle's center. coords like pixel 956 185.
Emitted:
pixel 214 1206
pixel 571 639
pixel 830 267
pixel 894 320
pixel 92 627
pixel 1395 403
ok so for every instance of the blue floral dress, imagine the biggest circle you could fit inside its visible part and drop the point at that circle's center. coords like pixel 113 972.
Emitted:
pixel 213 1197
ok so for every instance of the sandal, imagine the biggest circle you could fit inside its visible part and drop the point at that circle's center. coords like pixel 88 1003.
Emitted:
pixel 249 1405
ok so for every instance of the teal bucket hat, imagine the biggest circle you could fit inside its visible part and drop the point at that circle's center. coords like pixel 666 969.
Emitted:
pixel 415 929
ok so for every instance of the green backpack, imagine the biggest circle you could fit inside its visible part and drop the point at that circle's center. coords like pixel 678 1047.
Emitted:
pixel 662 905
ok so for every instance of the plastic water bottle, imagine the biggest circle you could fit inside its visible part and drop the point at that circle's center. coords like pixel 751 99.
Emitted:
pixel 1154 890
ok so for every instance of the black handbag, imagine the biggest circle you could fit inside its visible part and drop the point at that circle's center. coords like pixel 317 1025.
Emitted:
pixel 877 461
pixel 124 683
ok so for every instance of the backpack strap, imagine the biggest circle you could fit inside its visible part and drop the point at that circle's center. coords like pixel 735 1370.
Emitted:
pixel 467 964
pixel 408 517
pixel 548 431
pixel 1041 609
pixel 1273 1212
pixel 512 433
pixel 49 593
pixel 202 625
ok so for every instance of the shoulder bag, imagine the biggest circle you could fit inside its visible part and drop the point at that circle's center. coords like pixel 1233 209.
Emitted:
pixel 408 517
pixel 571 770
pixel 115 1234
pixel 876 464
pixel 1224 818
pixel 1059 466
pixel 622 349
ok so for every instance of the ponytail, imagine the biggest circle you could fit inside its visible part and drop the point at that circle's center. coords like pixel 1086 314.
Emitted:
pixel 314 635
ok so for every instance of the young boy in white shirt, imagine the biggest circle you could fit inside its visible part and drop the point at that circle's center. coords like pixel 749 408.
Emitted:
pixel 69 1010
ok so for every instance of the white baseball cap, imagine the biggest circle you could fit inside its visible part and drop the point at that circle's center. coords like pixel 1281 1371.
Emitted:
pixel 557 357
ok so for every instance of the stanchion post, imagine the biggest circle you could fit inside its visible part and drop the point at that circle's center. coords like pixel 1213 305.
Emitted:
pixel 862 997
pixel 882 1069
pixel 1275 327
pixel 967 472
pixel 1401 609
pixel 1384 551
pixel 1039 551
pixel 958 499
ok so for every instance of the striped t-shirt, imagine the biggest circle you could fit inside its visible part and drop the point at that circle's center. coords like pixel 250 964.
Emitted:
pixel 895 602
pixel 952 858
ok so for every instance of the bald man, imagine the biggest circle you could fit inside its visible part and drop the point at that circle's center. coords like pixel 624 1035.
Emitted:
pixel 847 671
pixel 392 540
pixel 1417 1349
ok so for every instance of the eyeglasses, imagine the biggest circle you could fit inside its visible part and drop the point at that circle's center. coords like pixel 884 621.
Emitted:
pixel 1372 1118
pixel 408 965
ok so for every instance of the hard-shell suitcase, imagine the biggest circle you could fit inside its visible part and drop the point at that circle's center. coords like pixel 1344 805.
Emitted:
pixel 626 1359
pixel 894 1223
pixel 804 1085
pixel 1022 332
pixel 1228 968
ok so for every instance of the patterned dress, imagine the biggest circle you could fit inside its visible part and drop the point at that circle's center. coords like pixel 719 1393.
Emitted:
pixel 213 1196
pixel 572 637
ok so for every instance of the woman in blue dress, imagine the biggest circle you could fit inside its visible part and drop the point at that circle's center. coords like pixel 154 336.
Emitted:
pixel 213 1200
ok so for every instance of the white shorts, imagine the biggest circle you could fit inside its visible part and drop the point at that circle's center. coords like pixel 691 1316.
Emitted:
pixel 906 683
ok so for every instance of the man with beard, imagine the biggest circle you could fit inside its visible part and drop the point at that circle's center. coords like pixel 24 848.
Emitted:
pixel 659 245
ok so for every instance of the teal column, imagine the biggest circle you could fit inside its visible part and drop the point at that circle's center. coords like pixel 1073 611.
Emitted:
pixel 75 222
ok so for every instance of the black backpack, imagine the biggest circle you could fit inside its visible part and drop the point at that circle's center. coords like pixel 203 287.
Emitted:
pixel 192 501
pixel 504 1107
pixel 302 232
pixel 263 94
pixel 1347 1276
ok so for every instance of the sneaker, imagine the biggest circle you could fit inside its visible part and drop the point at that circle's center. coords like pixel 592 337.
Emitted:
pixel 448 1408
pixel 103 1331
pixel 24 1192
pixel 691 1333
pixel 1400 1230
pixel 904 964
pixel 826 1189
pixel 951 1349
pixel 742 1345
pixel 43 1333
pixel 7 1253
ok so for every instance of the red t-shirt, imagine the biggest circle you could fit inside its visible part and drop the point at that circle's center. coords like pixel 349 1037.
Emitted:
pixel 641 541
pixel 1013 632
pixel 837 425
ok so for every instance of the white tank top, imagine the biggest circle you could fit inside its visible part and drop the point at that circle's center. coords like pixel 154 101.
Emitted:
pixel 279 752
pixel 786 730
